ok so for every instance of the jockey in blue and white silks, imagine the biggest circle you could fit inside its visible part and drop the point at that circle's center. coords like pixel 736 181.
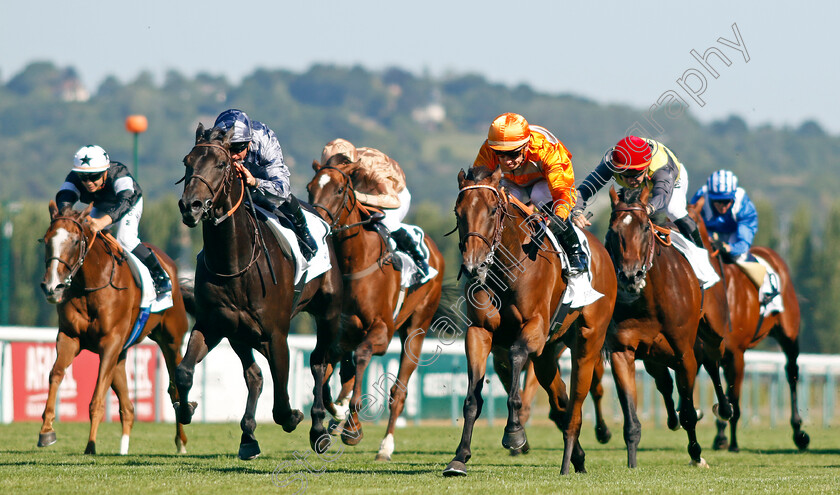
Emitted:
pixel 256 153
pixel 729 213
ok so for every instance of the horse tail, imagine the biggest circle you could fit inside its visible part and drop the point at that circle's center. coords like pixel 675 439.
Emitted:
pixel 187 286
pixel 449 307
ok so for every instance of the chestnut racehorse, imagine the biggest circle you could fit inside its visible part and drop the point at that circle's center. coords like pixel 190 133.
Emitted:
pixel 516 283
pixel 237 299
pixel 98 302
pixel 748 329
pixel 657 314
pixel 371 296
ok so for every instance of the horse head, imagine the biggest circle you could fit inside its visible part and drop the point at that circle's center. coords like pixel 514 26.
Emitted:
pixel 480 211
pixel 331 190
pixel 66 242
pixel 630 240
pixel 210 164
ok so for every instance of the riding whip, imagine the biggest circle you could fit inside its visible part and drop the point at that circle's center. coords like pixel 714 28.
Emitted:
pixel 260 235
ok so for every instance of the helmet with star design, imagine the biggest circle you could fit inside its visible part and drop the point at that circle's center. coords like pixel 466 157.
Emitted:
pixel 91 159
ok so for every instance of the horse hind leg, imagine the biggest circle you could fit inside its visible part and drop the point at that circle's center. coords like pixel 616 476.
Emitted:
pixel 624 375
pixel 108 359
pixel 170 347
pixel 686 374
pixel 596 391
pixel 791 349
pixel 67 349
pixel 514 436
pixel 120 386
pixel 321 366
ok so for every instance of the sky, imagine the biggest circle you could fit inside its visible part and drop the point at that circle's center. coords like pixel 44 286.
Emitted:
pixel 782 58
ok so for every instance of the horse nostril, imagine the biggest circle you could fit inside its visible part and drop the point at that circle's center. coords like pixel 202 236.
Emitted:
pixel 640 274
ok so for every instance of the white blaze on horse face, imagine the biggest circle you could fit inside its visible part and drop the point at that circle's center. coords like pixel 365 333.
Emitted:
pixel 324 180
pixel 628 219
pixel 56 245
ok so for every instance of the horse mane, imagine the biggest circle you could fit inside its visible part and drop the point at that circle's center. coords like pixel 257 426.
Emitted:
pixel 629 195
pixel 477 174
pixel 338 160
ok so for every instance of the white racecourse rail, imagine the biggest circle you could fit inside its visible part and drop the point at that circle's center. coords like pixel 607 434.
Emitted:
pixel 436 390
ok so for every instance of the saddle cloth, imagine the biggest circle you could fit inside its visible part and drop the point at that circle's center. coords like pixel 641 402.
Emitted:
pixel 770 286
pixel 579 291
pixel 148 297
pixel 410 274
pixel 697 257
pixel 287 238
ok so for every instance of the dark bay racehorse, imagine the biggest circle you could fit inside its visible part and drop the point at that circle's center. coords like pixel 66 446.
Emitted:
pixel 372 295
pixel 236 298
pixel 749 328
pixel 516 285
pixel 657 314
pixel 88 278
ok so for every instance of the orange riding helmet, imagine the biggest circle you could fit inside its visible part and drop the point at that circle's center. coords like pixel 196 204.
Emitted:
pixel 508 131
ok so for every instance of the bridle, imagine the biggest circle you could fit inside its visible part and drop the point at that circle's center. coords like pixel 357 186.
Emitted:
pixel 224 186
pixel 346 204
pixel 84 250
pixel 648 263
pixel 498 223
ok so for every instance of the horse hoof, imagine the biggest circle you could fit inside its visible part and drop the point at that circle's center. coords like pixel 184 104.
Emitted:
pixel 734 448
pixel 352 438
pixel 720 443
pixel 383 458
pixel 722 413
pixel 801 439
pixel 184 414
pixel 91 448
pixel 248 451
pixel 289 424
pixel 335 427
pixel 319 440
pixel 514 439
pixel 46 439
pixel 673 423
pixel 699 464
pixel 455 468
pixel 603 434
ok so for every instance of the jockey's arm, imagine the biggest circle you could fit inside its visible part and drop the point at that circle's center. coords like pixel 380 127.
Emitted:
pixel 593 183
pixel 270 173
pixel 663 186
pixel 747 219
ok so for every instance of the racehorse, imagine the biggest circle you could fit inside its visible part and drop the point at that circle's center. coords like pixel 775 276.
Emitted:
pixel 749 328
pixel 237 299
pixel 516 283
pixel 374 305
pixel 88 278
pixel 657 314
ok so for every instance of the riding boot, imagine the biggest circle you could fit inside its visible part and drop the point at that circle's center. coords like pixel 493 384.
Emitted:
pixel 565 233
pixel 292 210
pixel 688 228
pixel 406 244
pixel 159 276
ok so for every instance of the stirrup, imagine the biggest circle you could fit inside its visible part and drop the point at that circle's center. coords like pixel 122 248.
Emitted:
pixel 577 264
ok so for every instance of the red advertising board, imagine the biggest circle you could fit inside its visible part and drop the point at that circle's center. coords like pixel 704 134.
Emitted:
pixel 31 365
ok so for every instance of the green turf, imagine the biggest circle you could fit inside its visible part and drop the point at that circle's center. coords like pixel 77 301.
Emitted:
pixel 767 463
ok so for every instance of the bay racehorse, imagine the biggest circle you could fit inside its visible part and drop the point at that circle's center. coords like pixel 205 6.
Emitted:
pixel 516 283
pixel 374 307
pixel 237 299
pixel 88 278
pixel 657 314
pixel 749 328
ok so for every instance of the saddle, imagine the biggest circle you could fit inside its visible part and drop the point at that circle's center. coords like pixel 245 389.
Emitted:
pixel 372 217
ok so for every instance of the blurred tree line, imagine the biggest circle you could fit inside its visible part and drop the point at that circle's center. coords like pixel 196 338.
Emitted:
pixel 432 127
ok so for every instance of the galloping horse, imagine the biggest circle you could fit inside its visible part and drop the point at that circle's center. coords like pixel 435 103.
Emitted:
pixel 89 280
pixel 373 301
pixel 749 328
pixel 657 314
pixel 235 296
pixel 516 286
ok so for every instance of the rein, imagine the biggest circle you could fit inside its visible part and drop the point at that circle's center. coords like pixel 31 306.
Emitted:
pixel 654 238
pixel 85 250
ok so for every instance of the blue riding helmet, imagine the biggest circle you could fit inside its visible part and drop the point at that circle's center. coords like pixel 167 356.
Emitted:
pixel 722 185
pixel 239 121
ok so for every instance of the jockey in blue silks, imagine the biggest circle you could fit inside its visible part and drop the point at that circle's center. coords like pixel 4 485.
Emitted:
pixel 729 213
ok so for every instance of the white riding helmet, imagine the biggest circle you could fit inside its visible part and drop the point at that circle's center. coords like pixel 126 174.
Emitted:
pixel 91 159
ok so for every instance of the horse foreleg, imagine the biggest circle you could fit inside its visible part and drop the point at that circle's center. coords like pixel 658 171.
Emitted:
pixel 249 448
pixel 596 391
pixel 514 437
pixel 197 348
pixel 686 374
pixel 120 386
pixel 477 345
pixel 547 373
pixel 735 380
pixel 67 349
pixel 790 346
pixel 624 373
pixel 109 355
pixel 320 364
pixel 339 408
pixel 723 409
pixel 665 386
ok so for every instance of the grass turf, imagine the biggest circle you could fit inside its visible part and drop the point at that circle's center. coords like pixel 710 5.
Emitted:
pixel 768 462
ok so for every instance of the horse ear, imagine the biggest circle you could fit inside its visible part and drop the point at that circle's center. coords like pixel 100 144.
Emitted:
pixel 86 211
pixel 496 176
pixel 613 196
pixel 316 166
pixel 700 203
pixel 643 198
pixel 53 209
pixel 199 133
pixel 228 136
pixel 462 177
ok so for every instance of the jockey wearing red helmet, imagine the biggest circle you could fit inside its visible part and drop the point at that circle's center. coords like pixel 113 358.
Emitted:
pixel 635 162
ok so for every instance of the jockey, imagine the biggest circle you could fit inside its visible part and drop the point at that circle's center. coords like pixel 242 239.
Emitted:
pixel 380 182
pixel 117 204
pixel 729 213
pixel 256 154
pixel 536 168
pixel 635 162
